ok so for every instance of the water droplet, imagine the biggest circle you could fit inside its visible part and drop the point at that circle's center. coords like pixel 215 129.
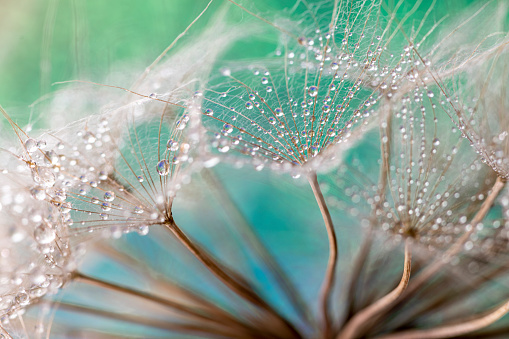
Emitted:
pixel 223 148
pixel 103 175
pixel 89 138
pixel 143 230
pixel 227 128
pixel 249 105
pixel 163 167
pixel 106 206
pixel 44 234
pixel 109 196
pixel 172 145
pixel 38 193
pixel 30 145
pixel 209 112
pixel 313 91
pixel 265 81
pixel 138 209
pixel 43 176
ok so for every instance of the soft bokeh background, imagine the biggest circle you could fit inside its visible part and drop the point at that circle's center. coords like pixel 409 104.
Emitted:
pixel 44 42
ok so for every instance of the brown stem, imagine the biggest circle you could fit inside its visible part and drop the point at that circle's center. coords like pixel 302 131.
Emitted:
pixel 160 282
pixel 4 333
pixel 353 328
pixel 429 271
pixel 200 327
pixel 360 261
pixel 330 273
pixel 231 279
pixel 250 236
pixel 449 331
pixel 122 289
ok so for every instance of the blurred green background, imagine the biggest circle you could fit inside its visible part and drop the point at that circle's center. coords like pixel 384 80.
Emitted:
pixel 43 42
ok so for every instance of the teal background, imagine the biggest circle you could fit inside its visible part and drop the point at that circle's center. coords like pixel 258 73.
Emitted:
pixel 43 42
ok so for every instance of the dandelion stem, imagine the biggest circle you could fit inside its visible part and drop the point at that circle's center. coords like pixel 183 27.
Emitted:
pixel 249 235
pixel 4 333
pixel 456 247
pixel 353 328
pixel 454 330
pixel 360 260
pixel 122 289
pixel 231 279
pixel 328 282
pixel 162 283
pixel 164 325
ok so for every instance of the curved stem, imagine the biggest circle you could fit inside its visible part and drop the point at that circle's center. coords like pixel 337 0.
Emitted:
pixel 231 279
pixel 161 283
pixel 449 331
pixel 208 329
pixel 357 271
pixel 78 276
pixel 429 271
pixel 250 236
pixel 330 273
pixel 353 328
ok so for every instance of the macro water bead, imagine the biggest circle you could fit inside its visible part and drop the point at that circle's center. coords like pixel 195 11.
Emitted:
pixel 313 91
pixel 163 167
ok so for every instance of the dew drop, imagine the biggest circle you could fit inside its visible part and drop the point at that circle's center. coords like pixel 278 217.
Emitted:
pixel 38 193
pixel 44 234
pixel 106 206
pixel 313 91
pixel 30 145
pixel 109 196
pixel 223 148
pixel 172 145
pixel 163 167
pixel 227 128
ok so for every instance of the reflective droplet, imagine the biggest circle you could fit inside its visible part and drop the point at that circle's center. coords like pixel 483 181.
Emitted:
pixel 30 145
pixel 163 167
pixel 249 105
pixel 313 91
pixel 103 175
pixel 109 196
pixel 143 230
pixel 38 193
pixel 43 176
pixel 106 206
pixel 172 145
pixel 44 234
pixel 227 128
pixel 223 148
